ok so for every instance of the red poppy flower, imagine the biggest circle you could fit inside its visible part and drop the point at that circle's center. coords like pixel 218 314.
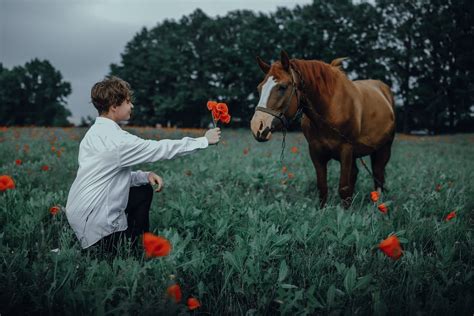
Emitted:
pixel 174 292
pixel 193 303
pixel 290 175
pixel 374 196
pixel 391 247
pixel 155 246
pixel 216 115
pixel 246 151
pixel 220 111
pixel 225 118
pixel 54 210
pixel 450 216
pixel 45 167
pixel 6 183
pixel 284 169
pixel 211 105
pixel 294 149
pixel 18 162
pixel 383 208
pixel 222 108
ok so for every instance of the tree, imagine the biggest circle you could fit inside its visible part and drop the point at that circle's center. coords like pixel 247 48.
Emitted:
pixel 33 95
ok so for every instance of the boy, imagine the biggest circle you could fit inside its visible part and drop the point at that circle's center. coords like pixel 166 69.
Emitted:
pixel 107 199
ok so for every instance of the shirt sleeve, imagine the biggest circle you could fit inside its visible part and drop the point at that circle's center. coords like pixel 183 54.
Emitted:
pixel 139 178
pixel 134 150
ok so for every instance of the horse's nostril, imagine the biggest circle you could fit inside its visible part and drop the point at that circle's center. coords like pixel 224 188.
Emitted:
pixel 261 125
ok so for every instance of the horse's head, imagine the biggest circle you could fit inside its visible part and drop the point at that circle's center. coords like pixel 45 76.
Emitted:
pixel 278 98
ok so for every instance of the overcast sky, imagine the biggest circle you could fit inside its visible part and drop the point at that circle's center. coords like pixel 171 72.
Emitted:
pixel 81 38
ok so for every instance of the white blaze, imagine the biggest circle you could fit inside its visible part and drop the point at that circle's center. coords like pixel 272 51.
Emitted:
pixel 266 89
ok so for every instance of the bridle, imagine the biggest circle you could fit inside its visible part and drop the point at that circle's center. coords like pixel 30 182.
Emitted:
pixel 281 115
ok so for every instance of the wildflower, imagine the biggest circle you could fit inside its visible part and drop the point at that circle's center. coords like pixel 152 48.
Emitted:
pixel 246 151
pixel 155 246
pixel 174 292
pixel 18 162
pixel 54 210
pixel 193 303
pixel 45 167
pixel 290 175
pixel 450 216
pixel 391 247
pixel 383 208
pixel 374 196
pixel 6 183
pixel 438 187
pixel 219 111
pixel 53 148
pixel 284 169
pixel 294 149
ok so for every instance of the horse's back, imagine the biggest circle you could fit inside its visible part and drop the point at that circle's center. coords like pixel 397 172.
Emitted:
pixel 377 112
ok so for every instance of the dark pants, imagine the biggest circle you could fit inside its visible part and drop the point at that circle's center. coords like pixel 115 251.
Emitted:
pixel 138 209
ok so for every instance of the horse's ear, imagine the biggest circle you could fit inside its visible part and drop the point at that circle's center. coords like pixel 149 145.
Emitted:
pixel 263 65
pixel 338 62
pixel 285 60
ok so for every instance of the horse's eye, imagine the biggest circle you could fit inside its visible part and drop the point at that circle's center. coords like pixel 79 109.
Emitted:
pixel 282 88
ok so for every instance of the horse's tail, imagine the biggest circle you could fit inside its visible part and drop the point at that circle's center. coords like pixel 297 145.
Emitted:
pixel 338 62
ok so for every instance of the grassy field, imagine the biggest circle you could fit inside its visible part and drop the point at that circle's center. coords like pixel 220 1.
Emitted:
pixel 248 238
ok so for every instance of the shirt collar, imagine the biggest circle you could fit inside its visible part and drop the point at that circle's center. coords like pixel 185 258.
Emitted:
pixel 106 121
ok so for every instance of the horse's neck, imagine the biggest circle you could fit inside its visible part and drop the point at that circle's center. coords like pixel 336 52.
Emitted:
pixel 319 94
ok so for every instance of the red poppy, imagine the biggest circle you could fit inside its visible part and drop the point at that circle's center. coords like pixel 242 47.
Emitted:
pixel 383 208
pixel 45 167
pixel 222 108
pixel 284 169
pixel 220 111
pixel 211 105
pixel 246 151
pixel 53 148
pixel 438 187
pixel 290 175
pixel 54 210
pixel 225 118
pixel 294 149
pixel 193 303
pixel 18 162
pixel 174 292
pixel 374 196
pixel 6 183
pixel 155 246
pixel 450 216
pixel 391 247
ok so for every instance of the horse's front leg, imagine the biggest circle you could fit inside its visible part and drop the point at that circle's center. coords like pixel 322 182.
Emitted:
pixel 320 163
pixel 346 182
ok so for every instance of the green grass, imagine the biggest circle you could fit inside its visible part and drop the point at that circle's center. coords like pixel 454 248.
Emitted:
pixel 246 239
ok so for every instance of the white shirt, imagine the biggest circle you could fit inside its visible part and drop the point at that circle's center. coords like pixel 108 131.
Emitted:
pixel 99 195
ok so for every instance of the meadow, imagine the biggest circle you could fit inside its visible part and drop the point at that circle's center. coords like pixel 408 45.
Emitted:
pixel 247 234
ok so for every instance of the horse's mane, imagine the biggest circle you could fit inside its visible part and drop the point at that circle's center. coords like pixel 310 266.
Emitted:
pixel 319 75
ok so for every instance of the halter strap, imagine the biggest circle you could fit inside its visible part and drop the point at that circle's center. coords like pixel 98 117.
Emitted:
pixel 281 114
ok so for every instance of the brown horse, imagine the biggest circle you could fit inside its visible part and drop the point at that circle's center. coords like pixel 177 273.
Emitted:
pixel 342 119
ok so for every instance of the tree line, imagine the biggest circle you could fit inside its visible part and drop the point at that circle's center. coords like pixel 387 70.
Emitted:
pixel 423 49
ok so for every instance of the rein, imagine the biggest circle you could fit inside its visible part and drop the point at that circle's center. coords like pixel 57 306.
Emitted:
pixel 303 106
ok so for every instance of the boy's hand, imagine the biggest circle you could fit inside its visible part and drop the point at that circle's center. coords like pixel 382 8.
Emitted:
pixel 153 179
pixel 213 135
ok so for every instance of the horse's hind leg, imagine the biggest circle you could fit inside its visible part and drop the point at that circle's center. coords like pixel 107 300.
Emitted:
pixel 320 164
pixel 379 160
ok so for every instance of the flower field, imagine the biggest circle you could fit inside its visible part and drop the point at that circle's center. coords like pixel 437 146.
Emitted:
pixel 246 235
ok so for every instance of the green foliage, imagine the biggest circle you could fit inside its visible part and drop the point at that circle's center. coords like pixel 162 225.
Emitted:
pixel 34 94
pixel 246 238
pixel 421 48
